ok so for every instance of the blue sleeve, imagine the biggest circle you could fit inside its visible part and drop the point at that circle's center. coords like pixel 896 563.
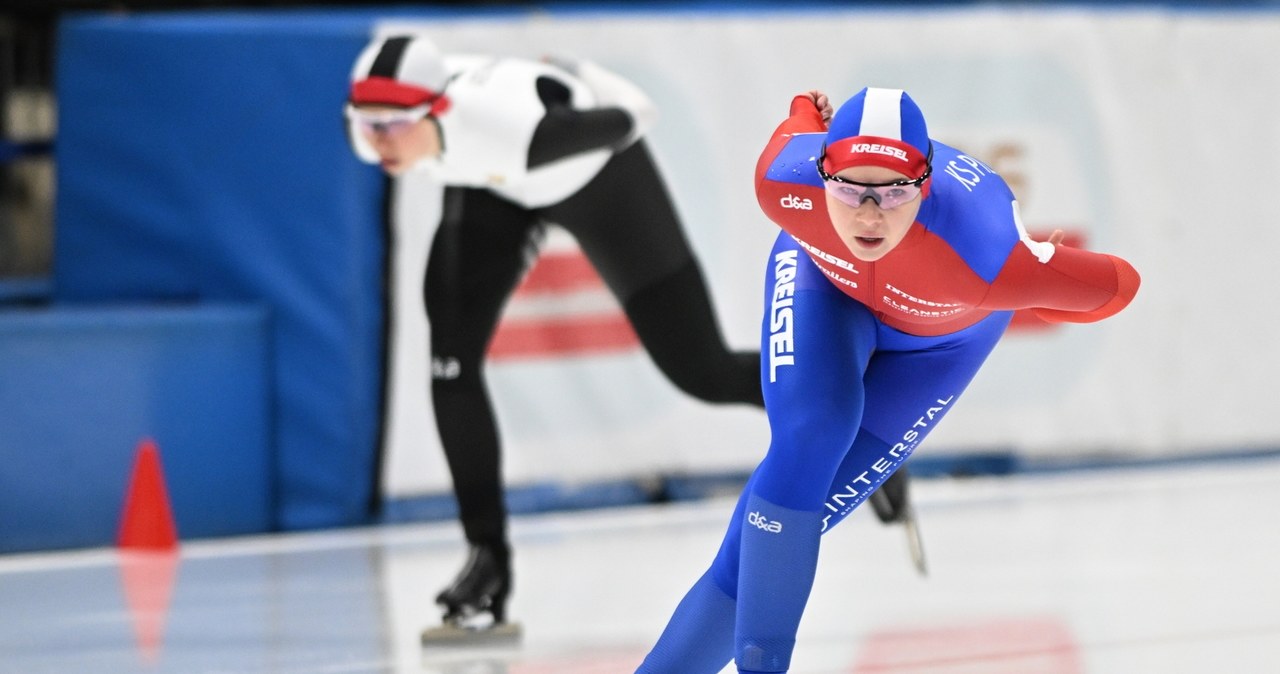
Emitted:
pixel 796 164
pixel 970 207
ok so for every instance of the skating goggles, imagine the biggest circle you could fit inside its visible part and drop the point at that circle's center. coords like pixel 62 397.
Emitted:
pixel 392 122
pixel 886 195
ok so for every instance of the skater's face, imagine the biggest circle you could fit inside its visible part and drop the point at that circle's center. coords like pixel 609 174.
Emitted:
pixel 876 224
pixel 401 136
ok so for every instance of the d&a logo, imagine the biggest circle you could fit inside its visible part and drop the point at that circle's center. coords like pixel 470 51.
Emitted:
pixel 797 203
pixel 761 522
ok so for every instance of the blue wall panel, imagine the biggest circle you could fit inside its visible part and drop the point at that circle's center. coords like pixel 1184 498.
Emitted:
pixel 80 388
pixel 202 157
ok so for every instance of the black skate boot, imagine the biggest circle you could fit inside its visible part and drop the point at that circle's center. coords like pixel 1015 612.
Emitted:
pixel 892 504
pixel 892 500
pixel 481 587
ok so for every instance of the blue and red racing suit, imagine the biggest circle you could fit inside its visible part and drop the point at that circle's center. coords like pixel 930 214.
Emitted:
pixel 860 361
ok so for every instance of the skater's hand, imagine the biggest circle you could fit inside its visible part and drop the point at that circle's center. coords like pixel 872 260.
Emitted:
pixel 821 102
pixel 568 64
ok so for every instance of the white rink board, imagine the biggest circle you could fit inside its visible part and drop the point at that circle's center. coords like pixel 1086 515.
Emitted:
pixel 1150 131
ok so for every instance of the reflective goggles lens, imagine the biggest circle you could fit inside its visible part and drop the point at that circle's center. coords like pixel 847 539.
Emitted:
pixel 387 121
pixel 886 196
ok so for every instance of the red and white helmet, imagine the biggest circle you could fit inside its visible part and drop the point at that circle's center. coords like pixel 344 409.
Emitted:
pixel 399 70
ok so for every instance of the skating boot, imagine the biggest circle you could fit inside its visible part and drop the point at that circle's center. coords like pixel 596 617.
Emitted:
pixel 481 588
pixel 892 504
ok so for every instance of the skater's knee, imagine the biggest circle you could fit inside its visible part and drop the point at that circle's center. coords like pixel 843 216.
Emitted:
pixel 455 368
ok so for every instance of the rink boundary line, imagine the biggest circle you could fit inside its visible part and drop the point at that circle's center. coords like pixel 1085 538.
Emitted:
pixel 552 497
pixel 1049 480
pixel 423 535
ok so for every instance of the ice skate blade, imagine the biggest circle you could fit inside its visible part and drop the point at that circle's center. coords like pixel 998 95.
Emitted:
pixel 461 636
pixel 915 543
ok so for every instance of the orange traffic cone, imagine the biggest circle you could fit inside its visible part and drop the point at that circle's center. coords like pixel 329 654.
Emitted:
pixel 147 522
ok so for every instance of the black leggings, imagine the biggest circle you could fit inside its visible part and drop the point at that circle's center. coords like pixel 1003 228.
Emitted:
pixel 626 225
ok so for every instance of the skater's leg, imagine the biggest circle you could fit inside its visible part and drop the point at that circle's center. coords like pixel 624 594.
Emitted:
pixel 814 399
pixel 628 227
pixel 911 384
pixel 698 638
pixel 693 356
pixel 476 259
pixel 771 544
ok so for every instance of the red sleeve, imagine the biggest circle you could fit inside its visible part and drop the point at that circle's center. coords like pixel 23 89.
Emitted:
pixel 798 209
pixel 1074 286
pixel 805 118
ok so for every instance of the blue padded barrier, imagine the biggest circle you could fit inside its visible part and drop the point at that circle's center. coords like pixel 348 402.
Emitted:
pixel 202 158
pixel 81 387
